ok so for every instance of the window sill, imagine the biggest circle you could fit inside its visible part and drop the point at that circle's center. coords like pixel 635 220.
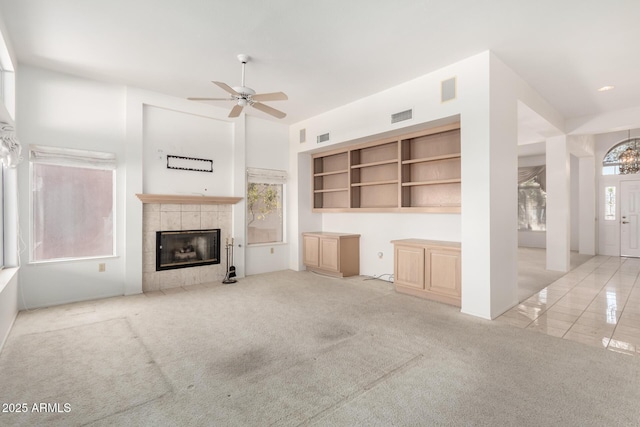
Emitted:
pixel 6 274
pixel 67 260
pixel 262 245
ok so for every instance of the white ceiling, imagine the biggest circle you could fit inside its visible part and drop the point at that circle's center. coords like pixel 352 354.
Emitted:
pixel 327 53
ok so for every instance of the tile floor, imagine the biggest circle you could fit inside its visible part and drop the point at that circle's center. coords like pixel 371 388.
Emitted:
pixel 597 303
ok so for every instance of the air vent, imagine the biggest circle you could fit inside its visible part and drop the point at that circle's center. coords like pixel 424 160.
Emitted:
pixel 323 138
pixel 401 116
pixel 448 89
pixel 303 135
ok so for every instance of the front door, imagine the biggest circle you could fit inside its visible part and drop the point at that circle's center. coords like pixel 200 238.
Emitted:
pixel 630 218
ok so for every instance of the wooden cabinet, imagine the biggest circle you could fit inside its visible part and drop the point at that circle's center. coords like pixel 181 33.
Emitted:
pixel 419 172
pixel 428 269
pixel 334 254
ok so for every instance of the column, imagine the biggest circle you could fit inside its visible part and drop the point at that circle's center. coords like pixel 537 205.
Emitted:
pixel 558 204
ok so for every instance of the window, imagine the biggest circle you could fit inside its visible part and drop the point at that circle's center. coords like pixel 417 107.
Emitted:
pixel 532 199
pixel 611 162
pixel 73 201
pixel 610 203
pixel 265 210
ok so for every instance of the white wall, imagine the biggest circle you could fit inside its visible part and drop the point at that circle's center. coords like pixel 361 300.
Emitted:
pixel 178 133
pixel 268 148
pixel 378 229
pixel 60 110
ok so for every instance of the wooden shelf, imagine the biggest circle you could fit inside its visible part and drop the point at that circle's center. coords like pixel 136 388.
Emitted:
pixel 383 162
pixel 434 182
pixel 366 184
pixel 331 173
pixel 432 159
pixel 187 200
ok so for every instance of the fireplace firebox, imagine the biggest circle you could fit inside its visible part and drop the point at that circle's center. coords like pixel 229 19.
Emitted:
pixel 187 248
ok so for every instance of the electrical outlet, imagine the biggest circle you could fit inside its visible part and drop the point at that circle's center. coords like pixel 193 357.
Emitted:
pixel 102 267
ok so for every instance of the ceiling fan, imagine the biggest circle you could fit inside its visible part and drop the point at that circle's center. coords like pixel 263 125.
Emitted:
pixel 244 96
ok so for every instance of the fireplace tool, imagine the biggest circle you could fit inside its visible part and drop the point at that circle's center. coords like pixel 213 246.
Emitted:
pixel 231 269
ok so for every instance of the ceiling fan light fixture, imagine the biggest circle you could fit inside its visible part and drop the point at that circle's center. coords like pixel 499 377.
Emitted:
pixel 245 96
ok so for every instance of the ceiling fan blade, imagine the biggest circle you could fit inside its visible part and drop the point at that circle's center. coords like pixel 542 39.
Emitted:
pixel 275 96
pixel 211 99
pixel 226 88
pixel 269 110
pixel 235 111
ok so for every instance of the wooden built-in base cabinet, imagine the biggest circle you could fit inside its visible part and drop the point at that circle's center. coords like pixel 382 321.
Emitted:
pixel 334 254
pixel 428 269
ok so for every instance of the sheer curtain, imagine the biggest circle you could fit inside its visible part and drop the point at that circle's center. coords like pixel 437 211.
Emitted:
pixel 532 198
pixel 537 172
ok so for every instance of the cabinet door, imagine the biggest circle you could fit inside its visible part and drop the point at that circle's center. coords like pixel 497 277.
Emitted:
pixel 443 272
pixel 329 254
pixel 409 266
pixel 311 255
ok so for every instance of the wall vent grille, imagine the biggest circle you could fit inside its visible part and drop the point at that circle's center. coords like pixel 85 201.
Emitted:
pixel 323 138
pixel 303 135
pixel 448 90
pixel 402 116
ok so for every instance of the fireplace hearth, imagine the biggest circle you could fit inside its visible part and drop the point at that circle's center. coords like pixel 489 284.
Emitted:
pixel 187 248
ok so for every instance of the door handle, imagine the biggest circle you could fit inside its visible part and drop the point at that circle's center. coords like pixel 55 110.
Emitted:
pixel 625 222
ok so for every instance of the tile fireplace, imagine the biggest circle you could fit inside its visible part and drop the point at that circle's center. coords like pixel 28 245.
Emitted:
pixel 173 217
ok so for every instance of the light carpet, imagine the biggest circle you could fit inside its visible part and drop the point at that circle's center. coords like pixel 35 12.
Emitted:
pixel 295 348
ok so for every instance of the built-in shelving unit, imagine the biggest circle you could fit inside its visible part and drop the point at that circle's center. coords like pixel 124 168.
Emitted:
pixel 331 181
pixel 412 173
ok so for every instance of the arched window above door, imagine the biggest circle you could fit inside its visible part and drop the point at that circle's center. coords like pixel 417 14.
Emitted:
pixel 611 162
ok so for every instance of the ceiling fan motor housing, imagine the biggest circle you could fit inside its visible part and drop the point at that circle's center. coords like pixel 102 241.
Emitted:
pixel 244 91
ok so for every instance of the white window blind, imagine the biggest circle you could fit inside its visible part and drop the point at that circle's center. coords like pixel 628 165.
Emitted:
pixel 72 203
pixel 266 176
pixel 58 156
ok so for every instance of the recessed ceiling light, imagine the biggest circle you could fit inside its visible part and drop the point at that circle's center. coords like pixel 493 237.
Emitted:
pixel 605 88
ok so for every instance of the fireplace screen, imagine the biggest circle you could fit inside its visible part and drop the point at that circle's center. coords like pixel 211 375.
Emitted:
pixel 180 249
